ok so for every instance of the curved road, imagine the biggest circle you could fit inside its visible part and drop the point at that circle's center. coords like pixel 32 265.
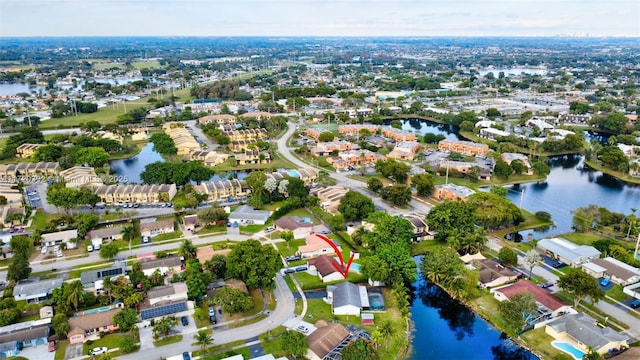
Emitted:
pixel 343 178
pixel 283 312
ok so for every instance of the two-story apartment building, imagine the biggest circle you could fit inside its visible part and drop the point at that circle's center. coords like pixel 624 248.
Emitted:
pixel 220 119
pixel 246 134
pixel 354 129
pixel 397 134
pixel 404 150
pixel 510 157
pixel 325 148
pixel 223 190
pixel 182 138
pixel 131 193
pixel 209 158
pixel 464 147
pixel 253 156
pixel 80 176
pixel 242 145
pixel 26 151
pixel 452 192
pixel 29 169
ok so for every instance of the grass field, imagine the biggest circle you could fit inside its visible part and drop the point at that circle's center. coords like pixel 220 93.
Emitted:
pixel 105 115
pixel 146 64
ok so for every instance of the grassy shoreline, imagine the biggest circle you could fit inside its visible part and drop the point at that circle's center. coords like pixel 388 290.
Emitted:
pixel 616 174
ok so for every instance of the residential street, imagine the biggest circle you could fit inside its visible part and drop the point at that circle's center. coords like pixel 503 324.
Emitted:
pixel 618 311
pixel 282 313
pixel 343 179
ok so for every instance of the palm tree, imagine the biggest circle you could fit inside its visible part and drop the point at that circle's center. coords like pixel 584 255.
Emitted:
pixel 531 259
pixel 128 233
pixel 187 250
pixel 74 294
pixel 203 339
pixel 107 284
pixel 386 330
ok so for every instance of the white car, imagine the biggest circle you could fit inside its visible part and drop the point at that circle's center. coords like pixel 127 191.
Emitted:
pixel 59 253
pixel 89 248
pixel 302 329
pixel 98 351
pixel 56 248
pixel 44 250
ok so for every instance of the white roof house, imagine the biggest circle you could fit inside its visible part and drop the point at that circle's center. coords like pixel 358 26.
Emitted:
pixel 568 252
pixel 56 238
pixel 247 214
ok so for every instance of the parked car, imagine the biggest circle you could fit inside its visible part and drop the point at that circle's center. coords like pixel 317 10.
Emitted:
pixel 212 311
pixel 184 320
pixel 635 303
pixel 292 257
pixel 548 284
pixel 52 346
pixel 59 253
pixel 186 356
pixel 89 248
pixel 235 224
pixel 289 271
pixel 605 282
pixel 302 329
pixel 301 268
pixel 98 350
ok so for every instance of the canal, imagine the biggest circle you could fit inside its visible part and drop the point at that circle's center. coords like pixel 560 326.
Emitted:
pixel 446 329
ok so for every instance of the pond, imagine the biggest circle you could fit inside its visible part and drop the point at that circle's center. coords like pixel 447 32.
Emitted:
pixel 422 127
pixel 128 170
pixel 446 329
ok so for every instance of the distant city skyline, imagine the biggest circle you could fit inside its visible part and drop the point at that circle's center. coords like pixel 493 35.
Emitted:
pixel 319 18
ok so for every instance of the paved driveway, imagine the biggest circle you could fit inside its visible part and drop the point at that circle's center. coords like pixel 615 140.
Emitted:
pixel 73 351
pixel 38 352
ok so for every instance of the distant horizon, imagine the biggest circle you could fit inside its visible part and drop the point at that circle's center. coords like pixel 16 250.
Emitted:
pixel 319 18
pixel 329 37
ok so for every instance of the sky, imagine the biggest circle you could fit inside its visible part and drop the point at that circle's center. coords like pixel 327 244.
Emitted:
pixel 319 17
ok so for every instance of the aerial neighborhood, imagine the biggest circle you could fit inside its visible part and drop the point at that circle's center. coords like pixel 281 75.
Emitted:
pixel 201 203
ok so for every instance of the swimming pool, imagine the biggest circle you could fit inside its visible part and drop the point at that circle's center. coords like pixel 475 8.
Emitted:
pixel 355 267
pixel 376 301
pixel 93 311
pixel 569 349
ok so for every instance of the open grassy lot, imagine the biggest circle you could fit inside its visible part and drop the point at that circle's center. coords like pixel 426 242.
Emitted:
pixel 105 115
pixel 146 64
pixel 424 246
pixel 272 341
pixel 310 282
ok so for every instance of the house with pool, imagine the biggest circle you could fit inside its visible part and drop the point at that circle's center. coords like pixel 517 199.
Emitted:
pixel 576 333
pixel 548 304
pixel 350 299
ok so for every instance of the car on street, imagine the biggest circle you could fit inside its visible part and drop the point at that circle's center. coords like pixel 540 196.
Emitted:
pixel 184 320
pixel 547 284
pixel 98 350
pixel 605 282
pixel 635 303
pixel 303 329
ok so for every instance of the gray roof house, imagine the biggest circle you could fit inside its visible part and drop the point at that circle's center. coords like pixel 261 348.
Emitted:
pixel 568 252
pixel 347 298
pixel 245 214
pixel 88 278
pixel 109 233
pixel 34 290
pixel 583 330
pixel 28 333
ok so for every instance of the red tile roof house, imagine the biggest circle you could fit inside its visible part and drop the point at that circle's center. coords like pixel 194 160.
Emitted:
pixel 84 326
pixel 325 267
pixel 556 306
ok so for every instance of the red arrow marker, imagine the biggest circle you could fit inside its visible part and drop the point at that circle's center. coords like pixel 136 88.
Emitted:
pixel 340 268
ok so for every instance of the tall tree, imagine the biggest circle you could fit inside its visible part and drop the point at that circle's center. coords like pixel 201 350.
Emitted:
pixel 517 310
pixel 294 344
pixel 360 349
pixel 580 285
pixel 73 293
pixel 353 205
pixel 254 264
pixel 187 250
pixel 531 259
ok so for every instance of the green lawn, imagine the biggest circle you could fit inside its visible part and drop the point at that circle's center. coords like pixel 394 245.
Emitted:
pixel 167 236
pixel 75 273
pixel 105 115
pixel 424 246
pixel 273 345
pixel 168 340
pixel 244 351
pixel 109 341
pixel 61 349
pixel 146 64
pixel 290 248
pixel 540 342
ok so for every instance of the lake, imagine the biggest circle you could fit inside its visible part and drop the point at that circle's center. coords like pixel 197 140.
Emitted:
pixel 16 88
pixel 129 169
pixel 571 185
pixel 446 329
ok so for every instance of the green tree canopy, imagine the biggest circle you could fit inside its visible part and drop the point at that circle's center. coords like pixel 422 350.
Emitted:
pixel 254 264
pixel 580 285
pixel 354 205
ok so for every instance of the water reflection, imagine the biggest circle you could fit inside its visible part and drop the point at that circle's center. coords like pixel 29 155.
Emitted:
pixel 457 316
